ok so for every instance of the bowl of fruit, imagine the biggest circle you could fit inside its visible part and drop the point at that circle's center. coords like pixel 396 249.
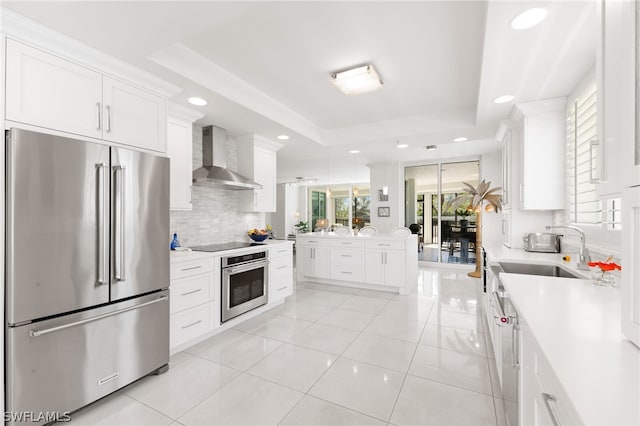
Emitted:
pixel 259 235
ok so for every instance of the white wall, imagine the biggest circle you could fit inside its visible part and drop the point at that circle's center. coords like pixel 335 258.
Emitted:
pixel 390 175
pixel 287 204
pixel 491 171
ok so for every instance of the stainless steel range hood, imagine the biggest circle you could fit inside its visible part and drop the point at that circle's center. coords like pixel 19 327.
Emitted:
pixel 214 171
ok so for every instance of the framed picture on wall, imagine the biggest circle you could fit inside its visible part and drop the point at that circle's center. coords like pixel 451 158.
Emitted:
pixel 381 196
pixel 383 211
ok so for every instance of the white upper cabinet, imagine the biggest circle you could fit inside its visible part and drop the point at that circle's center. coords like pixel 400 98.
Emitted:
pixel 538 146
pixel 47 91
pixel 618 165
pixel 133 116
pixel 179 150
pixel 257 161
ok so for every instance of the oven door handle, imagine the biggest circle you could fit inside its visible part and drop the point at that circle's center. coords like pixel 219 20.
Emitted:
pixel 247 267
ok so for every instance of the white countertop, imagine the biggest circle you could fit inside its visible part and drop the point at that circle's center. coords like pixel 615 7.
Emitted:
pixel 184 254
pixel 577 325
pixel 333 235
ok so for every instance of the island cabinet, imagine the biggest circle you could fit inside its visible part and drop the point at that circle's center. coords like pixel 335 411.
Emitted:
pixel 384 262
pixel 313 258
pixel 49 91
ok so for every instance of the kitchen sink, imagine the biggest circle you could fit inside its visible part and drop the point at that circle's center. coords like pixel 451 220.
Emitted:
pixel 536 269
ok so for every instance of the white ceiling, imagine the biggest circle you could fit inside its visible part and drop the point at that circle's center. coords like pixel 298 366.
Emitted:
pixel 264 68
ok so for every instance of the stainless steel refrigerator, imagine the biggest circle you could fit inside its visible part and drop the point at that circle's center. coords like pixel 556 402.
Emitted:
pixel 87 271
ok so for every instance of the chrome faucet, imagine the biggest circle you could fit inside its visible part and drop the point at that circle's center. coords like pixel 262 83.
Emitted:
pixel 583 256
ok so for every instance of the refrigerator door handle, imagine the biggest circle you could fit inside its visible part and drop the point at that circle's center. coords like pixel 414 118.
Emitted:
pixel 119 223
pixel 103 243
pixel 37 333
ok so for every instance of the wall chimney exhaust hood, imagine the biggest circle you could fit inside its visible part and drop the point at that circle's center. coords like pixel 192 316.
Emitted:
pixel 214 171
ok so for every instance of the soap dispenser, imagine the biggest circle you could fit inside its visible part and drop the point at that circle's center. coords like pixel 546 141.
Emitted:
pixel 174 243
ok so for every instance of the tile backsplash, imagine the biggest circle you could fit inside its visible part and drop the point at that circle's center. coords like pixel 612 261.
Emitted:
pixel 215 217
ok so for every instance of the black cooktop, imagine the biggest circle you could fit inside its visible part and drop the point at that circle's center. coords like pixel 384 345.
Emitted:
pixel 226 246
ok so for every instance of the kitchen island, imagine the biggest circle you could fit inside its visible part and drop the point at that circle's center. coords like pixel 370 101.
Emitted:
pixel 383 262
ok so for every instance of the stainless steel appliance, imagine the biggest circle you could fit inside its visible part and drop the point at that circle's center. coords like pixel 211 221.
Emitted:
pixel 87 270
pixel 542 242
pixel 506 316
pixel 245 280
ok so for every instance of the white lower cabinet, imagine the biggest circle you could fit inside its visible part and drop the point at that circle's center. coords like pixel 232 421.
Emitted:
pixel 280 273
pixel 313 258
pixel 384 266
pixel 631 260
pixel 195 298
pixel 543 399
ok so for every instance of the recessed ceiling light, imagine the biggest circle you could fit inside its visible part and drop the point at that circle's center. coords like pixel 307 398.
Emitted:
pixel 503 99
pixel 460 139
pixel 283 137
pixel 354 151
pixel 529 18
pixel 431 147
pixel 357 80
pixel 402 145
pixel 197 101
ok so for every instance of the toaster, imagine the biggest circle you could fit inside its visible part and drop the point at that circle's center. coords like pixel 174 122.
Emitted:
pixel 542 242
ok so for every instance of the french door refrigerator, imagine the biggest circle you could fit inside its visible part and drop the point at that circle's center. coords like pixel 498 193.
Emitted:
pixel 87 272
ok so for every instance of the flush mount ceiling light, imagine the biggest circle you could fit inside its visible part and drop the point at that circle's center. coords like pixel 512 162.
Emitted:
pixel 401 145
pixel 197 101
pixel 529 18
pixel 431 147
pixel 357 80
pixel 283 137
pixel 460 139
pixel 503 99
pixel 354 151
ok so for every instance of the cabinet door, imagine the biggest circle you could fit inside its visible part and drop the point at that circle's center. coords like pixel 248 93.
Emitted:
pixel 321 262
pixel 265 175
pixel 374 267
pixel 134 116
pixel 303 261
pixel 394 268
pixel 179 147
pixel 45 90
pixel 631 262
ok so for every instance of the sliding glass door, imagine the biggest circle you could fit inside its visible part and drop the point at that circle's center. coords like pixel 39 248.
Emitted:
pixel 444 235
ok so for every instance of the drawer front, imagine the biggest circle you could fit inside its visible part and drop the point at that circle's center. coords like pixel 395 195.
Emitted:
pixel 346 256
pixel 280 280
pixel 284 263
pixel 187 268
pixel 189 324
pixel 286 250
pixel 313 242
pixel 387 245
pixel 352 242
pixel 191 291
pixel 347 273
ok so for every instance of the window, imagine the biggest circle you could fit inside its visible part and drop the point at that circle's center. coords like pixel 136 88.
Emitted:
pixel 583 204
pixel 341 210
pixel 361 211
pixel 318 206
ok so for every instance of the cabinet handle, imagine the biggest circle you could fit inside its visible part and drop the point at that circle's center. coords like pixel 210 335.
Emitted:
pixel 382 258
pixel 282 267
pixel 108 118
pixel 98 111
pixel 191 268
pixel 383 245
pixel 385 258
pixel 347 272
pixel 515 362
pixel 282 288
pixel 521 192
pixel 191 292
pixel 548 399
pixel 345 255
pixel 192 324
pixel 592 179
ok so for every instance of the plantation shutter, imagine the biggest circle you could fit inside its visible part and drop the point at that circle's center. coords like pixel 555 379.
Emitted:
pixel 584 206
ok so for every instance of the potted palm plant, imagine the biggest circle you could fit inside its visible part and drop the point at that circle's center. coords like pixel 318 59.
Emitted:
pixel 478 198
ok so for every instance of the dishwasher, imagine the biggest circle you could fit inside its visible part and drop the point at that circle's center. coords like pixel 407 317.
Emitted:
pixel 506 316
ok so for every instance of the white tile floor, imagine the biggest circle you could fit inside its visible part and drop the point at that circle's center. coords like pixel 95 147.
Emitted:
pixel 330 356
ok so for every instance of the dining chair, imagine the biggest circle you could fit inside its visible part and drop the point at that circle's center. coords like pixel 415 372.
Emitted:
pixel 401 231
pixel 342 230
pixel 367 230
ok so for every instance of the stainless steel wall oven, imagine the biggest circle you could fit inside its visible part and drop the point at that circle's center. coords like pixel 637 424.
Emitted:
pixel 245 280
